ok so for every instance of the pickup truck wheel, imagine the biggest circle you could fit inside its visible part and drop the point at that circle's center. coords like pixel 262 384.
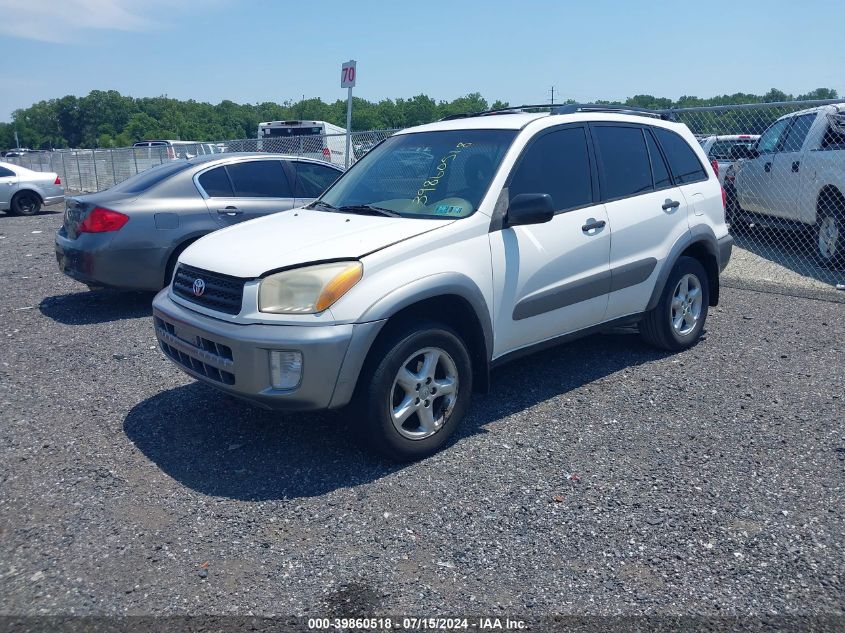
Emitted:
pixel 419 391
pixel 830 238
pixel 25 203
pixel 678 319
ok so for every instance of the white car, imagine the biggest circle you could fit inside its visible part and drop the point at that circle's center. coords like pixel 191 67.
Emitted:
pixel 719 148
pixel 407 282
pixel 23 191
pixel 794 177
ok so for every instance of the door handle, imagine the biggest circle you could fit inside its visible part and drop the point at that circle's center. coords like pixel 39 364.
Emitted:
pixel 592 224
pixel 671 204
pixel 767 167
pixel 229 211
pixel 796 165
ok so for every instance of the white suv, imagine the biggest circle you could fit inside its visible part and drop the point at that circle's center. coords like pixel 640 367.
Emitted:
pixel 445 251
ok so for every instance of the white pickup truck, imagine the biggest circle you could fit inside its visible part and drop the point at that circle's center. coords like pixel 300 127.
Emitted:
pixel 794 177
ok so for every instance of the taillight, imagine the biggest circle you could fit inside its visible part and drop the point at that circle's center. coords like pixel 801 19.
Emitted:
pixel 724 199
pixel 326 153
pixel 102 221
pixel 715 165
pixel 57 181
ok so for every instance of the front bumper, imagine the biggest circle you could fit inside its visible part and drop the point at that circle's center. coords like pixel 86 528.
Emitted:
pixel 236 357
pixel 91 259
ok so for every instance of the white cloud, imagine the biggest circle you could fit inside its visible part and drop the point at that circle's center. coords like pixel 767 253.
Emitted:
pixel 64 20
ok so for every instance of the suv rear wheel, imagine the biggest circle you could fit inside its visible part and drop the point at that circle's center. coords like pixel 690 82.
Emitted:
pixel 678 319
pixel 418 392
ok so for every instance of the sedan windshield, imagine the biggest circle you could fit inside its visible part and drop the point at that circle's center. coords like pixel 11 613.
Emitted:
pixel 423 175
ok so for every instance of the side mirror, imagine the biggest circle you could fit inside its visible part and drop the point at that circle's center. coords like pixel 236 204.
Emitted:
pixel 530 208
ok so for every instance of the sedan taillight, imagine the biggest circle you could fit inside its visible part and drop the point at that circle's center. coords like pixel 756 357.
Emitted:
pixel 57 181
pixel 102 220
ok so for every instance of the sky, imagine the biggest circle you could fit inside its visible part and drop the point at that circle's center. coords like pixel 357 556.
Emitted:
pixel 251 51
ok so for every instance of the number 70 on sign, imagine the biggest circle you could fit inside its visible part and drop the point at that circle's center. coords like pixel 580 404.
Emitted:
pixel 348 74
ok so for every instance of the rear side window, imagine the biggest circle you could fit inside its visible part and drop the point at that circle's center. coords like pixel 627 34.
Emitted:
pixel 259 179
pixel 659 171
pixel 6 172
pixel 216 183
pixel 797 133
pixel 683 162
pixel 313 179
pixel 624 160
pixel 151 177
pixel 557 164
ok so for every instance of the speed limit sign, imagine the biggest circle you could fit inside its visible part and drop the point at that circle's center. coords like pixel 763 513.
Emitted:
pixel 347 74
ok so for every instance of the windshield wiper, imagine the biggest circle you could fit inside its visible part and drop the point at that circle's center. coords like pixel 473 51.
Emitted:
pixel 322 205
pixel 368 208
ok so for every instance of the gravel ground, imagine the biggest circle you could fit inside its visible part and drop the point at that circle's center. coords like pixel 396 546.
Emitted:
pixel 602 477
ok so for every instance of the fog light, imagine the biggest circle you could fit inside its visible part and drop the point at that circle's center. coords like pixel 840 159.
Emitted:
pixel 285 369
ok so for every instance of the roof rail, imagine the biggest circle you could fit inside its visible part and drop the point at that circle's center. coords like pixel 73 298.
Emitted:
pixel 569 108
pixel 572 108
pixel 508 110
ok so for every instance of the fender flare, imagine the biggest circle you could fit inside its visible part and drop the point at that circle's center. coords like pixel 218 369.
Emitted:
pixel 700 233
pixel 438 284
pixel 371 322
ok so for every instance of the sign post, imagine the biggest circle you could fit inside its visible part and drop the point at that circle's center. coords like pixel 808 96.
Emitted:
pixel 347 80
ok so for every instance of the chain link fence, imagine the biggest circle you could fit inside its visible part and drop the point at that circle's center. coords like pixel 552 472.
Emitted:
pixel 782 166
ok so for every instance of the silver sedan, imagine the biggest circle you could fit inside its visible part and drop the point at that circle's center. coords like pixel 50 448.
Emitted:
pixel 131 235
pixel 23 191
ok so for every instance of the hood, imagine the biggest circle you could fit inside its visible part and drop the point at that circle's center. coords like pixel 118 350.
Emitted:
pixel 299 236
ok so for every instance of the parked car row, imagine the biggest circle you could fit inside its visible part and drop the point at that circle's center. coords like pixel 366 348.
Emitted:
pixel 395 287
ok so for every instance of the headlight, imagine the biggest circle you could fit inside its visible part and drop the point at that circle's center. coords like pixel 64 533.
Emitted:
pixel 309 289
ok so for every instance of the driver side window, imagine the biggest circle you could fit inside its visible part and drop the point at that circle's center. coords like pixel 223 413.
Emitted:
pixel 768 142
pixel 558 164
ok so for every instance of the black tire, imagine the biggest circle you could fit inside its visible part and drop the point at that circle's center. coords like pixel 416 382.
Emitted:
pixel 377 395
pixel 830 222
pixel 657 325
pixel 25 203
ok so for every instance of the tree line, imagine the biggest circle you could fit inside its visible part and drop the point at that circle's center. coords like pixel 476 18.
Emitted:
pixel 109 119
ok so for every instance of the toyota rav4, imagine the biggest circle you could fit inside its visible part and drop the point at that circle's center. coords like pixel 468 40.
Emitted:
pixel 445 251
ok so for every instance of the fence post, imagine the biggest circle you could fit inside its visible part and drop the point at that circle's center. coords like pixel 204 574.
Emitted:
pixel 64 171
pixel 135 158
pixel 79 171
pixel 96 178
pixel 113 174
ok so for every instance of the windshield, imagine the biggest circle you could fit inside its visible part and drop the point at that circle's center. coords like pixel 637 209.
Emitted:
pixel 424 174
pixel 146 179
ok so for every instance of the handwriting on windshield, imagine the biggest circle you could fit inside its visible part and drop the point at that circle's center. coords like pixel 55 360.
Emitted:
pixel 431 182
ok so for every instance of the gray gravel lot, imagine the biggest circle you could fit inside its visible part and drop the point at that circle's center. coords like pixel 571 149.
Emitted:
pixel 602 477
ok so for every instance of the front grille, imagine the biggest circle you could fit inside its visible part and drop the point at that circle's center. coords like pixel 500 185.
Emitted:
pixel 201 355
pixel 220 292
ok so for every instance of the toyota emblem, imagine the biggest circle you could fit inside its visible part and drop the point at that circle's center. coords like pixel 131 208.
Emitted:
pixel 199 287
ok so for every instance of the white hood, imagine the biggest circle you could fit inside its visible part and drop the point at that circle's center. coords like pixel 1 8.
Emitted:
pixel 297 237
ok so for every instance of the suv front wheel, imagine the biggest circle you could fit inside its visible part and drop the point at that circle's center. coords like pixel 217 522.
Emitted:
pixel 678 319
pixel 418 392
